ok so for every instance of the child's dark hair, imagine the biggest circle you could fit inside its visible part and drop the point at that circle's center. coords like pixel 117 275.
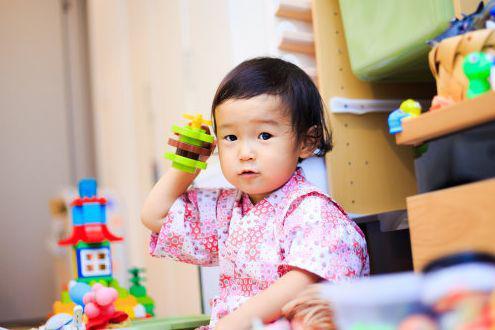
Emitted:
pixel 273 76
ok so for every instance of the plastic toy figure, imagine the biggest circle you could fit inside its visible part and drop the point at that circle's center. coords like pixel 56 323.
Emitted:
pixel 194 141
pixel 408 109
pixel 477 67
pixel 467 23
pixel 65 321
pixel 411 107
pixel 99 307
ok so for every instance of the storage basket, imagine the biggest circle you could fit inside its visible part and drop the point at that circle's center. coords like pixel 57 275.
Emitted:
pixel 446 60
pixel 387 39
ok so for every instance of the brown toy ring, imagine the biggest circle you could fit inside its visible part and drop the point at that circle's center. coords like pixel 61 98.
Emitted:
pixel 185 146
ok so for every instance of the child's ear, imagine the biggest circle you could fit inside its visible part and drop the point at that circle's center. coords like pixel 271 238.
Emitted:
pixel 310 143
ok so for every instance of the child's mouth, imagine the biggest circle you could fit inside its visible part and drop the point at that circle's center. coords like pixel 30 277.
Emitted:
pixel 248 173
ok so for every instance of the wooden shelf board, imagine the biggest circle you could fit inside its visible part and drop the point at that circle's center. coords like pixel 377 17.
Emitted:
pixel 452 220
pixel 298 42
pixel 449 120
pixel 300 11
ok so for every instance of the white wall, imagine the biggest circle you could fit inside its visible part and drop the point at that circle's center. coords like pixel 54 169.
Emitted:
pixel 44 143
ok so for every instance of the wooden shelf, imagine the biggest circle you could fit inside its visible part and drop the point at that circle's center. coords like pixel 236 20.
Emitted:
pixel 297 42
pixel 366 165
pixel 298 10
pixel 452 220
pixel 449 120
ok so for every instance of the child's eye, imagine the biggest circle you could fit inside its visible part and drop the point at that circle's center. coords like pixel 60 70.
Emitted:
pixel 230 137
pixel 264 136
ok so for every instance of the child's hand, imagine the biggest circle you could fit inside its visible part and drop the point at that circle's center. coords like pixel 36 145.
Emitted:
pixel 211 147
pixel 309 310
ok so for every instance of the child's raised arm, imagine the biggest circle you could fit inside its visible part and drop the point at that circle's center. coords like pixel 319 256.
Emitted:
pixel 156 206
pixel 175 182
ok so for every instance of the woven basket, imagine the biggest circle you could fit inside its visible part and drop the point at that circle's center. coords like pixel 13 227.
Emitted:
pixel 446 60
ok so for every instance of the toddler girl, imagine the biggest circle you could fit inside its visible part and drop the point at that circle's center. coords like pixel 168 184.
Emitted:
pixel 276 233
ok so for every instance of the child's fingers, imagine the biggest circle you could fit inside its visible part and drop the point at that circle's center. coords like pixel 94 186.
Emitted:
pixel 310 296
pixel 212 148
pixel 206 128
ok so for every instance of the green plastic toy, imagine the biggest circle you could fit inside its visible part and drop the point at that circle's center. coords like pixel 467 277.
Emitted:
pixel 194 141
pixel 139 291
pixel 477 66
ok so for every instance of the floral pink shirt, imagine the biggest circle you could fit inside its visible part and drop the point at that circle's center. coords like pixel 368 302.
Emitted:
pixel 295 226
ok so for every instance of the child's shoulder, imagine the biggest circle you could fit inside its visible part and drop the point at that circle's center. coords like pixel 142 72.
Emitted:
pixel 299 193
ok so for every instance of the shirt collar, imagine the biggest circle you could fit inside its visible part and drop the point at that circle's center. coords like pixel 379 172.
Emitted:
pixel 283 193
pixel 276 198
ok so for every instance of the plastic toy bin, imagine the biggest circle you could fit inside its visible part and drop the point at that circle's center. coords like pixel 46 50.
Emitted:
pixel 386 39
pixel 381 303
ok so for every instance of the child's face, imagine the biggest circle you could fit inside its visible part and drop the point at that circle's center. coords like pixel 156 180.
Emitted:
pixel 256 144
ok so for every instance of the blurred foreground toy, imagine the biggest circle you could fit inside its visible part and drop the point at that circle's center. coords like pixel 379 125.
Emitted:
pixel 65 321
pixel 194 141
pixel 408 109
pixel 100 308
pixel 477 67
pixel 455 292
pixel 458 288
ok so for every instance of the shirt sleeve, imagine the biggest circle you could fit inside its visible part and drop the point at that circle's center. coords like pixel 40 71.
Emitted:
pixel 189 230
pixel 320 238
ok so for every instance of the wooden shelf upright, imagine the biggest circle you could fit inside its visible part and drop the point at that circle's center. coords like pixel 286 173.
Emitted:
pixel 367 172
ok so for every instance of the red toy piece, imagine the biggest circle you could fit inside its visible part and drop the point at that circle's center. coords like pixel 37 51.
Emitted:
pixel 99 307
pixel 92 233
pixel 439 102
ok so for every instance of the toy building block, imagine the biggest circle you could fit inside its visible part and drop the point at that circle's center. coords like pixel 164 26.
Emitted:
pixel 99 308
pixel 193 141
pixel 90 237
pixel 139 291
pixel 477 67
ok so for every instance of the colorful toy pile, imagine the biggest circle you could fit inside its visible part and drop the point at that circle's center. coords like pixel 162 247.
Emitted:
pixel 94 288
pixel 194 141
pixel 454 293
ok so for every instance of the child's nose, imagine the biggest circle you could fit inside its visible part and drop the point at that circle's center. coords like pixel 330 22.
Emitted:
pixel 246 151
